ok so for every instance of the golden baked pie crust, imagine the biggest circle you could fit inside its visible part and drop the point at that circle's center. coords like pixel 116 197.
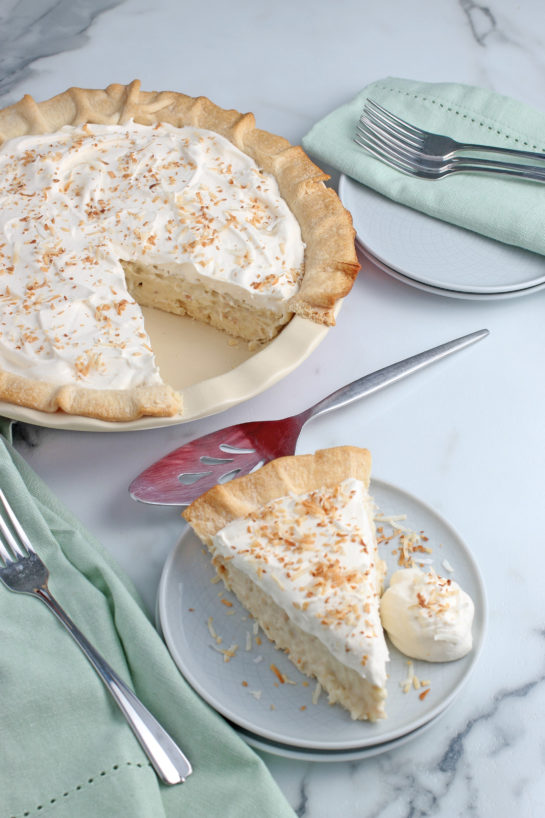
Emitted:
pixel 297 474
pixel 330 264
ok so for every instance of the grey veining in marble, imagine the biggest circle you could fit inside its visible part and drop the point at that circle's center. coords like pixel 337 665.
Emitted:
pixel 33 29
pixel 481 20
pixel 449 772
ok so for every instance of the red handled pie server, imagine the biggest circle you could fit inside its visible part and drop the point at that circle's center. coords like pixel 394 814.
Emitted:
pixel 186 473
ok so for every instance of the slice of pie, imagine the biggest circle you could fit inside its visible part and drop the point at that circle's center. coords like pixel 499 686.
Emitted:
pixel 112 199
pixel 295 542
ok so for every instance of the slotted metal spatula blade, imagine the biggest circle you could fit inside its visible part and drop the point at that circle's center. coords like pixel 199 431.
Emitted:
pixel 186 473
pixel 189 471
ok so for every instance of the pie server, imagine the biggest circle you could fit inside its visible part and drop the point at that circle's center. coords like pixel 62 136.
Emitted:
pixel 186 473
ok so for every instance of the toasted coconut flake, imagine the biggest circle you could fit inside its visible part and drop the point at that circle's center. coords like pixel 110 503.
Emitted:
pixel 424 693
pixel 227 653
pixel 280 676
pixel 211 629
pixel 278 582
pixel 406 683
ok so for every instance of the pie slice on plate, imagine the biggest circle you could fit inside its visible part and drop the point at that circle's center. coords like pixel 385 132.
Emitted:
pixel 295 542
pixel 111 199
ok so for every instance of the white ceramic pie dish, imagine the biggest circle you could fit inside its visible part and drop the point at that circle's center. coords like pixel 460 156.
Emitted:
pixel 213 371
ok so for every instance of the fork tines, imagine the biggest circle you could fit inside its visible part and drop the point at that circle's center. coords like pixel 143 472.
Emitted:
pixel 387 120
pixel 11 541
pixel 387 137
pixel 383 145
pixel 428 155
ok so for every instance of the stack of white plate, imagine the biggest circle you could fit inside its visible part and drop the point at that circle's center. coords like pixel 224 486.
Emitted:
pixel 288 719
pixel 436 256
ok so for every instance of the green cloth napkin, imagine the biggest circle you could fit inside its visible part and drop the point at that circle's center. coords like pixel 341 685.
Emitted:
pixel 507 209
pixel 65 748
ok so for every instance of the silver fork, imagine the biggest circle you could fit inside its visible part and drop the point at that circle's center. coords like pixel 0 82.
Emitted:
pixel 22 570
pixel 433 156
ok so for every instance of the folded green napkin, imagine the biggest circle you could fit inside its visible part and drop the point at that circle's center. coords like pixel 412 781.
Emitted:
pixel 504 208
pixel 65 748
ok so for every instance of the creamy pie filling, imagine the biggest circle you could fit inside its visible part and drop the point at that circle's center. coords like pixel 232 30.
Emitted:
pixel 98 217
pixel 316 556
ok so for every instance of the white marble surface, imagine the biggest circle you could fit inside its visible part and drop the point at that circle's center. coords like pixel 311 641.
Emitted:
pixel 467 437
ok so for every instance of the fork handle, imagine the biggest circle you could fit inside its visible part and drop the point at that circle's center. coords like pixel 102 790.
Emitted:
pixel 467 163
pixel 390 374
pixel 167 759
pixel 529 155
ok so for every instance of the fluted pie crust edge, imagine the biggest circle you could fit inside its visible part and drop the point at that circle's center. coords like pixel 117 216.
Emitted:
pixel 297 474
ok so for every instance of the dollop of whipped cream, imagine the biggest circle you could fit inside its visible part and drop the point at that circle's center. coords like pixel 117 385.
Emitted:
pixel 316 555
pixel 76 203
pixel 427 616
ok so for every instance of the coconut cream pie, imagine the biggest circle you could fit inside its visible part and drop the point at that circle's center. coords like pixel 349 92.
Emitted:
pixel 119 198
pixel 295 541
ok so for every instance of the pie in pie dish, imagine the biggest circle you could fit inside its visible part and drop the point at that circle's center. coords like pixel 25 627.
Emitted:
pixel 116 198
pixel 295 542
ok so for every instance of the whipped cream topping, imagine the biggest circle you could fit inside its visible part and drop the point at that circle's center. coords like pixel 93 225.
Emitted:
pixel 316 556
pixel 427 616
pixel 76 203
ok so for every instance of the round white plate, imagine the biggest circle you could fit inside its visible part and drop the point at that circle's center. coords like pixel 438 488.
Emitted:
pixel 246 691
pixel 357 754
pixel 436 253
pixel 212 371
pixel 307 754
pixel 447 293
